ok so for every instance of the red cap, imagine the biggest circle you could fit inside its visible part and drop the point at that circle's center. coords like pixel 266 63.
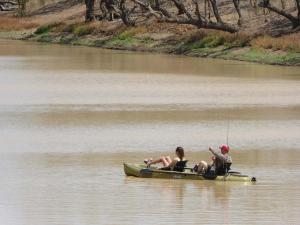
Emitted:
pixel 224 148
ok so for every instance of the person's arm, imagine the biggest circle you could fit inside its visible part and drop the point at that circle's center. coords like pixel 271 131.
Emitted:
pixel 220 156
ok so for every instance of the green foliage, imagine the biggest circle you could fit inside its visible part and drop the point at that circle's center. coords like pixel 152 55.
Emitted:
pixel 146 40
pixel 66 39
pixel 82 30
pixel 265 56
pixel 125 39
pixel 206 42
pixel 99 43
pixel 270 57
pixel 125 35
pixel 213 39
pixel 45 38
pixel 69 28
pixel 43 29
pixel 46 28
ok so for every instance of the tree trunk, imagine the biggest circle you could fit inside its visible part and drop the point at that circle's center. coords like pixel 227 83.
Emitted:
pixel 22 7
pixel 89 14
pixel 159 8
pixel 209 9
pixel 298 8
pixel 205 9
pixel 215 10
pixel 125 14
pixel 178 6
pixel 236 4
pixel 282 4
pixel 253 4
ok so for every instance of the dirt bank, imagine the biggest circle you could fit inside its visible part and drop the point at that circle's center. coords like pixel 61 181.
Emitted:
pixel 259 40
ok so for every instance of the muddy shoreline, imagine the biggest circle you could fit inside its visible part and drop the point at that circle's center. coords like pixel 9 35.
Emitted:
pixel 132 39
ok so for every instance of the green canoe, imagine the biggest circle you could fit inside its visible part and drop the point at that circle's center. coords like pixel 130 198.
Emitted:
pixel 140 170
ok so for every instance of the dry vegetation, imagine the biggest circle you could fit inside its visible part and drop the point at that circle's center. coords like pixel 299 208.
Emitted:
pixel 15 23
pixel 288 42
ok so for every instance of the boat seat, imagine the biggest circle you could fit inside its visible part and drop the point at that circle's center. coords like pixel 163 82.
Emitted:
pixel 180 166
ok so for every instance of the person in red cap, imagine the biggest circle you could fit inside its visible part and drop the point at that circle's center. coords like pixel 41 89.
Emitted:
pixel 221 162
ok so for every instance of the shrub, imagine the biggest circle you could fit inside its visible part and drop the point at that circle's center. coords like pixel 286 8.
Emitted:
pixel 42 29
pixel 210 39
pixel 69 28
pixel 46 28
pixel 82 30
pixel 125 35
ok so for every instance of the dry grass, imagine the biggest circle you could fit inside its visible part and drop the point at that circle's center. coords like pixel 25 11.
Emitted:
pixel 238 39
pixel 287 43
pixel 13 24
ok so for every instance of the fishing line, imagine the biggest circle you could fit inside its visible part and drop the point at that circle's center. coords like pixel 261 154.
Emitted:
pixel 228 126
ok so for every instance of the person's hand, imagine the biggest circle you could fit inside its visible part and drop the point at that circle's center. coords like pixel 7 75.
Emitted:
pixel 210 149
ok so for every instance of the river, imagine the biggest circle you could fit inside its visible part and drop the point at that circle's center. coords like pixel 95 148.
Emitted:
pixel 70 116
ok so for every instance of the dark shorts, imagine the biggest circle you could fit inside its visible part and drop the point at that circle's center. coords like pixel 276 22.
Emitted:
pixel 218 172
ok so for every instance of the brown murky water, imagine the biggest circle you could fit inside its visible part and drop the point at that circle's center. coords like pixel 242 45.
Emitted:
pixel 69 117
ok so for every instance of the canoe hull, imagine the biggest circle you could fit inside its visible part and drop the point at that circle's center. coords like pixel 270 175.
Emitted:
pixel 138 170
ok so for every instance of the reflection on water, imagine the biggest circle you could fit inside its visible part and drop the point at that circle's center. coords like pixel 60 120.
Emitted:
pixel 70 116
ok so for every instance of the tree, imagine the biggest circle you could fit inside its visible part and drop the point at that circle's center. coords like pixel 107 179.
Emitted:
pixel 185 15
pixel 7 5
pixel 22 7
pixel 236 4
pixel 109 9
pixel 89 14
pixel 125 14
pixel 195 19
pixel 294 19
pixel 216 11
pixel 298 8
pixel 282 4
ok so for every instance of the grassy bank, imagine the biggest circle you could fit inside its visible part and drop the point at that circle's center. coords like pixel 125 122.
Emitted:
pixel 165 38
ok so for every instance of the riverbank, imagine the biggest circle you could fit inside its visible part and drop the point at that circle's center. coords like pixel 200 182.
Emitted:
pixel 164 38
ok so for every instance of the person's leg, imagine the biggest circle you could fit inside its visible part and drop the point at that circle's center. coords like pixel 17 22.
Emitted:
pixel 162 160
pixel 202 167
pixel 168 159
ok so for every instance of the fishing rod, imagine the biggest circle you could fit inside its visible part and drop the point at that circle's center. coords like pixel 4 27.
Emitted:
pixel 228 126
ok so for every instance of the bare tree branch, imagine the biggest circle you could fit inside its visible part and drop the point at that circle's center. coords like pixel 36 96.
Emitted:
pixel 295 20
pixel 236 4
pixel 298 7
pixel 157 7
pixel 125 14
pixel 216 11
pixel 9 2
pixel 200 23
pixel 197 11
